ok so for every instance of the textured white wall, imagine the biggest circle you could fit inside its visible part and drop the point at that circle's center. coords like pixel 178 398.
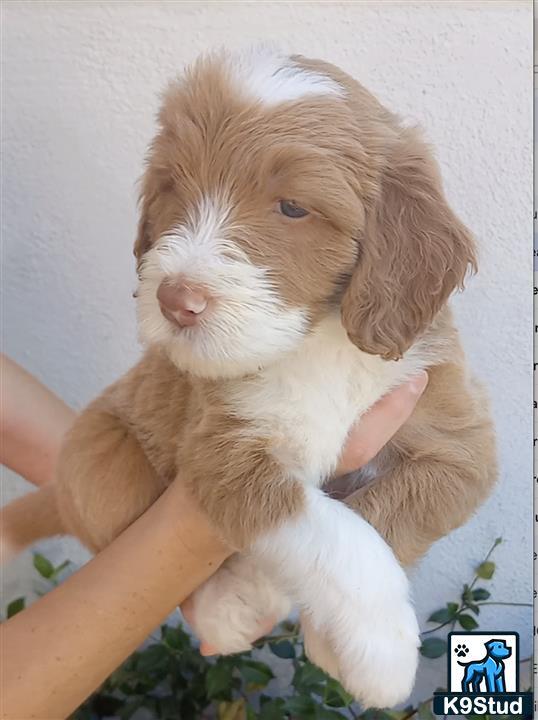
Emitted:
pixel 80 87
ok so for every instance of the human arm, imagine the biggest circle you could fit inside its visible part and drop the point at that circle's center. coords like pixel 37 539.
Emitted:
pixel 33 422
pixel 59 650
pixel 55 653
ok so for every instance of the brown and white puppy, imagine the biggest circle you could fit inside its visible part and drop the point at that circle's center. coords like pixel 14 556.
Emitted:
pixel 295 256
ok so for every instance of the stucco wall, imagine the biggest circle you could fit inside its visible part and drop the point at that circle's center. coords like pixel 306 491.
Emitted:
pixel 80 85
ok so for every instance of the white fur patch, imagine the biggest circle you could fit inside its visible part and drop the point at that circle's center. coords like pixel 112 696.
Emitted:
pixel 248 324
pixel 357 619
pixel 274 78
pixel 360 625
pixel 231 607
pixel 308 401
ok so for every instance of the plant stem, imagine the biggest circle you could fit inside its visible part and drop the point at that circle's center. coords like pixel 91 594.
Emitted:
pixel 275 638
pixel 514 604
pixel 435 629
pixel 414 711
pixel 463 606
pixel 492 548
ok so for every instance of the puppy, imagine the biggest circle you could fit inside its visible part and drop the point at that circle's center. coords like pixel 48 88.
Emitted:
pixel 295 257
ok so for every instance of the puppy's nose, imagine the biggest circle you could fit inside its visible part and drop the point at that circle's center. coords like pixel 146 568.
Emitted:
pixel 181 303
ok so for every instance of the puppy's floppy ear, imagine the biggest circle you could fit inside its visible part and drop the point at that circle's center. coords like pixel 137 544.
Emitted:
pixel 413 254
pixel 142 242
pixel 143 237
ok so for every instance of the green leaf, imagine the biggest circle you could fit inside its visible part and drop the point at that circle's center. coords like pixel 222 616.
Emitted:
pixel 425 711
pixel 231 710
pixel 481 594
pixel 322 713
pixel 283 649
pixel 255 674
pixel 130 707
pixel 105 705
pixel 309 678
pixel 273 710
pixel 467 622
pixel 485 570
pixel 152 659
pixel 61 567
pixel 439 616
pixel 15 606
pixel 335 695
pixel 433 647
pixel 302 706
pixel 218 680
pixel 82 713
pixel 467 595
pixel 43 566
pixel 377 715
pixel 175 638
pixel 168 707
pixel 444 615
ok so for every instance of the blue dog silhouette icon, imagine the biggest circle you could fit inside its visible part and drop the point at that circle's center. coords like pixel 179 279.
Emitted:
pixel 490 669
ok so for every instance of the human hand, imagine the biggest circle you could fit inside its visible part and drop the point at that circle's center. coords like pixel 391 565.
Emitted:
pixel 366 439
pixel 380 424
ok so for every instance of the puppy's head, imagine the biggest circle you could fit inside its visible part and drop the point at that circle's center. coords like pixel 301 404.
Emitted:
pixel 278 191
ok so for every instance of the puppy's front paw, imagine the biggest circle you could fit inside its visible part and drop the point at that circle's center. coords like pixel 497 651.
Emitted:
pixel 233 608
pixel 373 654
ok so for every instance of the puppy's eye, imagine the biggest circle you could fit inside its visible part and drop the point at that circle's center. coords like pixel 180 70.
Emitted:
pixel 291 209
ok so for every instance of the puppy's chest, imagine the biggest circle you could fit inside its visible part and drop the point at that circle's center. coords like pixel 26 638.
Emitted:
pixel 306 405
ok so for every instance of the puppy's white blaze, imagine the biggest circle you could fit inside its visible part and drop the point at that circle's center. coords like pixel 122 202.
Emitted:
pixel 354 593
pixel 248 324
pixel 273 78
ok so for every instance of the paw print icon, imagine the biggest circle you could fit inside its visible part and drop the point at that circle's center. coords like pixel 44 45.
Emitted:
pixel 461 650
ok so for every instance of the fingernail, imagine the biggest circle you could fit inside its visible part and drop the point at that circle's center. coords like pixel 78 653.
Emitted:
pixel 207 650
pixel 418 383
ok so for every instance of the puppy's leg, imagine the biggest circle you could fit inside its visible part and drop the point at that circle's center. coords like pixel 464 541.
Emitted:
pixel 104 480
pixel 244 492
pixel 32 517
pixel 330 562
pixel 437 469
pixel 230 608
pixel 356 617
pixel 354 596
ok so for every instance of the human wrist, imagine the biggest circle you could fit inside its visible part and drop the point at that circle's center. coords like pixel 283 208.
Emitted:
pixel 190 527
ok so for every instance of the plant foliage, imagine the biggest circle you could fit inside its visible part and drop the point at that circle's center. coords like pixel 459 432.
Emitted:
pixel 169 680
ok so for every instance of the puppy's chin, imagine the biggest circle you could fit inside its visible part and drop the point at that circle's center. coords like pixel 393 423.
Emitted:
pixel 188 360
pixel 221 350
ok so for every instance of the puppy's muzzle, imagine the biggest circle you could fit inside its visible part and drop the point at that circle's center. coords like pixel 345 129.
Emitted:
pixel 181 303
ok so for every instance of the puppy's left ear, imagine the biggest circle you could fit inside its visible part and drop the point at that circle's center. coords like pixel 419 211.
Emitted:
pixel 414 252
